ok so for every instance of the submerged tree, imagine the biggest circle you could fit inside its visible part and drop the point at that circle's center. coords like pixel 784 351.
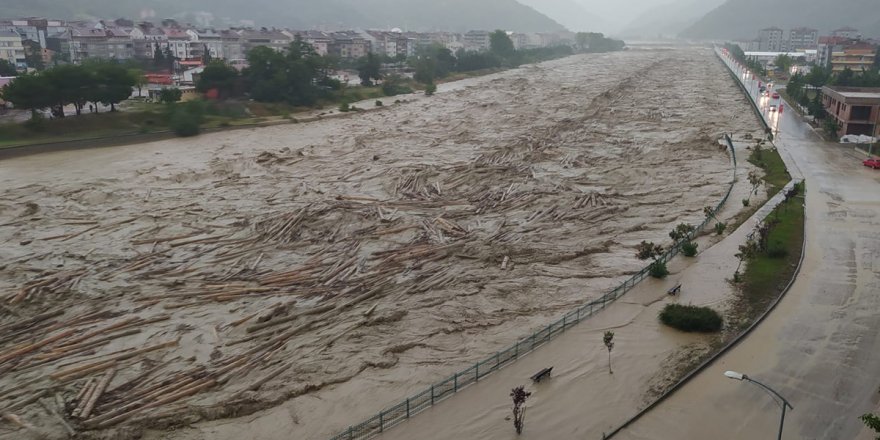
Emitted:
pixel 608 340
pixel 872 422
pixel 519 396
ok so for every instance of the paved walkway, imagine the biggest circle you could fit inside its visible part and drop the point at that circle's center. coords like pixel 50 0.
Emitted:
pixel 821 347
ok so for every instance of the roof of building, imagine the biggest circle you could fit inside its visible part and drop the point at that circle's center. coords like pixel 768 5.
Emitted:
pixel 771 28
pixel 9 34
pixel 856 92
pixel 804 30
pixel 846 29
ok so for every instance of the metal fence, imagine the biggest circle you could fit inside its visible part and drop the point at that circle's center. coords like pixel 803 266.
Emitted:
pixel 451 385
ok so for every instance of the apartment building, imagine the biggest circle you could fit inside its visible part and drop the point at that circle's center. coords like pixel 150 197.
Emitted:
pixel 12 49
pixel 857 57
pixel 802 38
pixel 770 40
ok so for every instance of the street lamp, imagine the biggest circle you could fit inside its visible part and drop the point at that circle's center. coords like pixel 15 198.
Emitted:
pixel 784 403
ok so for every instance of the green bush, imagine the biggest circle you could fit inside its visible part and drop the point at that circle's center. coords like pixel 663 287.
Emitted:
pixel 689 249
pixel 720 227
pixel 37 123
pixel 658 269
pixel 746 203
pixel 691 318
pixel 185 124
pixel 777 250
pixel 344 107
pixel 379 103
pixel 431 89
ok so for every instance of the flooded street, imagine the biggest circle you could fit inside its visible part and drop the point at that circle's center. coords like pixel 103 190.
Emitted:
pixel 287 282
pixel 820 347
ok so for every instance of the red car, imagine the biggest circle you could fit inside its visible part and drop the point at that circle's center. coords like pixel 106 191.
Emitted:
pixel 775 95
pixel 872 163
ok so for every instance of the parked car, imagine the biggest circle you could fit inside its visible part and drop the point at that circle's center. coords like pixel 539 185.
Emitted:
pixel 775 95
pixel 872 163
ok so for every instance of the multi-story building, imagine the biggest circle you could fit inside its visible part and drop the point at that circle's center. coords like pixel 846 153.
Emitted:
pixel 178 42
pixel 232 46
pixel 12 49
pixel 98 42
pixel 34 29
pixel 770 40
pixel 207 42
pixel 856 109
pixel 477 40
pixel 349 45
pixel 802 38
pixel 271 38
pixel 846 32
pixel 857 57
pixel 320 41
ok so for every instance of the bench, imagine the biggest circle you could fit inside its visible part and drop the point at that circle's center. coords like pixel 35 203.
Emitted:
pixel 542 374
pixel 674 290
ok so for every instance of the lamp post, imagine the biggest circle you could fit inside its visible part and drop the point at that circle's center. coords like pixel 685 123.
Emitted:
pixel 784 403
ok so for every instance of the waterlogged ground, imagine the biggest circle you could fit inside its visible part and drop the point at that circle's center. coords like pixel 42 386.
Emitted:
pixel 289 281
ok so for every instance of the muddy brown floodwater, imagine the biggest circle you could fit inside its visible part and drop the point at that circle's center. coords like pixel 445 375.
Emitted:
pixel 331 268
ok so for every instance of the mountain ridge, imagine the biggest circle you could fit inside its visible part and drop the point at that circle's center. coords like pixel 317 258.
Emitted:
pixel 331 14
pixel 738 18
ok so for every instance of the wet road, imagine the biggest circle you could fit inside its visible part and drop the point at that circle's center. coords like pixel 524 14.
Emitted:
pixel 820 348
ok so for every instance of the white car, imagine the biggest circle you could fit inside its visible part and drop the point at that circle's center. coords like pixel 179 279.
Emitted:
pixel 772 108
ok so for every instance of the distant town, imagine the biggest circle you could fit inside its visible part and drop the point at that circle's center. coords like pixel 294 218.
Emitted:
pixel 844 48
pixel 34 42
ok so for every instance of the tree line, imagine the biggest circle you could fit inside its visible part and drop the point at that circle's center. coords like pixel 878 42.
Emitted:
pixel 437 62
pixel 104 82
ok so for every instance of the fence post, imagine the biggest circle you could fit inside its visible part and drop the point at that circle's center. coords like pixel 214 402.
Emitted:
pixel 432 394
pixel 497 359
pixel 381 421
pixel 578 314
pixel 407 407
pixel 478 373
pixel 516 350
pixel 563 322
pixel 455 382
pixel 350 433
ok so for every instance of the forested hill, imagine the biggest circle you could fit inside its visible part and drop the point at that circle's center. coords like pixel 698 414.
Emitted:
pixel 743 18
pixel 416 15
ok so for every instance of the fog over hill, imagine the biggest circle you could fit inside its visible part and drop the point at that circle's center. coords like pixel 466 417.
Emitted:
pixel 417 15
pixel 743 18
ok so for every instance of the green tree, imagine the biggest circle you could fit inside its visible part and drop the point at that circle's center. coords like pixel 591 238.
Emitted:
pixel 845 78
pixel 169 58
pixel 7 68
pixel 114 84
pixel 783 63
pixel 369 69
pixel 608 340
pixel 425 70
pixel 872 422
pixel 170 95
pixel 33 55
pixel 159 57
pixel 501 45
pixel 218 75
pixel 73 84
pixel 206 55
pixel 29 92
pixel 295 77
pixel 140 81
